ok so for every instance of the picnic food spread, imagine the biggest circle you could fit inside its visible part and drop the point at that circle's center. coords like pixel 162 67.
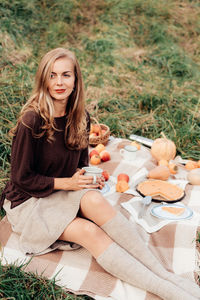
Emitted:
pixel 160 190
pixel 163 151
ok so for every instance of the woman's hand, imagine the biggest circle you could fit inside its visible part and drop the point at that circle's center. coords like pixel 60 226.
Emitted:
pixel 78 182
pixel 86 182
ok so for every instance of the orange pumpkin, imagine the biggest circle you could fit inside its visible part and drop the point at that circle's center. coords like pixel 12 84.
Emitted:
pixel 173 168
pixel 190 165
pixel 163 149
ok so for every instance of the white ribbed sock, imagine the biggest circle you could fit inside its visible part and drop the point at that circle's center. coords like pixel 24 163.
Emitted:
pixel 122 265
pixel 123 232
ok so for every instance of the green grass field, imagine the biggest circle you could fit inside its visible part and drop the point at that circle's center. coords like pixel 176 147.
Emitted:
pixel 141 66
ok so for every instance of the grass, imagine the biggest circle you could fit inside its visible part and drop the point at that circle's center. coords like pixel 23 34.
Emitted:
pixel 140 62
pixel 15 284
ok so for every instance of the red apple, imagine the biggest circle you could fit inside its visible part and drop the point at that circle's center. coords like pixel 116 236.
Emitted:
pixel 123 177
pixel 93 152
pixel 106 175
pixel 105 155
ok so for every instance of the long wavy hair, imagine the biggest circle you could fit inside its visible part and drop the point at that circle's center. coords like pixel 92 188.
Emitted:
pixel 40 101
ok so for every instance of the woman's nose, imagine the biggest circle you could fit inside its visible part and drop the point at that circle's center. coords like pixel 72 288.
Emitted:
pixel 59 80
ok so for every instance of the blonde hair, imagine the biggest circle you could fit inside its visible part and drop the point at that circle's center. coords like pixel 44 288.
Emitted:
pixel 76 136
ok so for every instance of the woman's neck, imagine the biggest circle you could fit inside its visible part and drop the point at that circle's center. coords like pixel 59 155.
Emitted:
pixel 59 108
pixel 59 114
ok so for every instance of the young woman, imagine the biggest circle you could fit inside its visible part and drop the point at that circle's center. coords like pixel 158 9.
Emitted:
pixel 51 204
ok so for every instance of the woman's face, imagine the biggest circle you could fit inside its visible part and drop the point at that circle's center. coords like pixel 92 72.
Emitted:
pixel 62 78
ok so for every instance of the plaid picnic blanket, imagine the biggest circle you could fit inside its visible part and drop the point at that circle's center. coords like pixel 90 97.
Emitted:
pixel 173 243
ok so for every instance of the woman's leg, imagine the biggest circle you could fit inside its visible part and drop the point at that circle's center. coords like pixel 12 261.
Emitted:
pixel 118 262
pixel 88 235
pixel 98 209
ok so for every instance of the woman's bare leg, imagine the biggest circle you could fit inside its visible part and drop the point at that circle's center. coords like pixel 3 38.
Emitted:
pixel 96 208
pixel 88 235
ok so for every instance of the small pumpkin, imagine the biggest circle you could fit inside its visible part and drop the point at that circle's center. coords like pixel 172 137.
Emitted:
pixel 163 149
pixel 193 176
pixel 190 165
pixel 173 168
pixel 159 172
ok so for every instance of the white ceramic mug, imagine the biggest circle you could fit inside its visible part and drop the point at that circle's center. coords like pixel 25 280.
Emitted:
pixel 128 152
pixel 93 171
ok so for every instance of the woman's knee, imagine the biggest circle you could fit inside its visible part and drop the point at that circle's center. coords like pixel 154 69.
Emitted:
pixel 88 235
pixel 93 199
pixel 80 229
pixel 95 207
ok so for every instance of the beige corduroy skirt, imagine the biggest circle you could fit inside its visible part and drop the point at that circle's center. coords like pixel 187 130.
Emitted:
pixel 40 221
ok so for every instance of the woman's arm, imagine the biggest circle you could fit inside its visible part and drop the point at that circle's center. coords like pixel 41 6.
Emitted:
pixel 23 161
pixel 77 182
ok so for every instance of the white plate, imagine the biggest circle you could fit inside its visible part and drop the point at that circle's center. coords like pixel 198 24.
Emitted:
pixel 157 211
pixel 105 189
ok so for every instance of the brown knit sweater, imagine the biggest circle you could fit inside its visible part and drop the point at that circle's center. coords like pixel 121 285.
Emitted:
pixel 35 162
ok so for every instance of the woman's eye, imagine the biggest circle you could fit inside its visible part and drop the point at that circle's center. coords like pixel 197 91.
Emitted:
pixel 52 75
pixel 66 75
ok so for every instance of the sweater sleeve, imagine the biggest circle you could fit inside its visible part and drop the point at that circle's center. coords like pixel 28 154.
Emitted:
pixel 23 165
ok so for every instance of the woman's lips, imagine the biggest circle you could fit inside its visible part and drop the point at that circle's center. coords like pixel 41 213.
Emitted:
pixel 60 91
